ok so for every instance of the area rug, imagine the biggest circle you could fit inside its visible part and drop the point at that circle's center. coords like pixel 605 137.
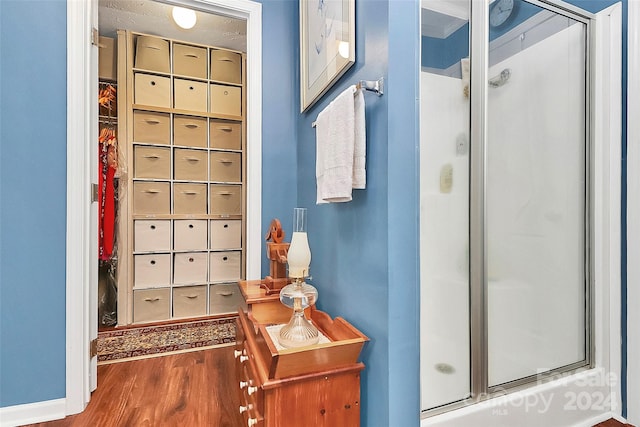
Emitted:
pixel 119 345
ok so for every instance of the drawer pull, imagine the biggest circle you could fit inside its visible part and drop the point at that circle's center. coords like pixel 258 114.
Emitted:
pixel 152 262
pixel 152 47
pixel 191 88
pixel 224 258
pixel 190 193
pixel 237 353
pixel 153 227
pixel 152 122
pixel 192 159
pixel 191 296
pixel 244 384
pixel 252 421
pixel 191 55
pixel 191 259
pixel 225 193
pixel 244 359
pixel 224 293
pixel 251 390
pixel 154 299
pixel 152 191
pixel 225 59
pixel 226 92
pixel 226 226
pixel 191 126
pixel 226 128
pixel 225 161
pixel 152 83
pixel 190 225
pixel 151 156
pixel 243 409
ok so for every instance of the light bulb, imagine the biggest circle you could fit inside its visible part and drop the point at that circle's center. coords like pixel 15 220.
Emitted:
pixel 185 18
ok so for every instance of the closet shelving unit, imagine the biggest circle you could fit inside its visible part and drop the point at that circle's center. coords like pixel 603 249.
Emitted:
pixel 183 214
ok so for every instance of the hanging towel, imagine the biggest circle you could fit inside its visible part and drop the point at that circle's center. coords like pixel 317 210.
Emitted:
pixel 341 147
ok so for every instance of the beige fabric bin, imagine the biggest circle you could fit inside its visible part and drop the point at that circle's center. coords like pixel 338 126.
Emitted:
pixel 189 267
pixel 226 100
pixel 152 53
pixel 190 235
pixel 151 162
pixel 225 135
pixel 224 266
pixel 225 234
pixel 151 127
pixel 226 166
pixel 189 61
pixel 152 90
pixel 151 235
pixel 189 95
pixel 226 199
pixel 189 198
pixel 151 305
pixel 190 131
pixel 190 165
pixel 152 270
pixel 151 198
pixel 190 301
pixel 226 66
pixel 225 298
pixel 107 58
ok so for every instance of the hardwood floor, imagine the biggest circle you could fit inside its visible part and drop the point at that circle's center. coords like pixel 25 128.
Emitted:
pixel 189 389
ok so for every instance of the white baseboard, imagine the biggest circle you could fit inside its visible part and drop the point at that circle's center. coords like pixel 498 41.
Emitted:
pixel 30 413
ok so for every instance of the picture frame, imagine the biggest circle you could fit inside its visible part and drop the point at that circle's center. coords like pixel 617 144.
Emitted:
pixel 327 46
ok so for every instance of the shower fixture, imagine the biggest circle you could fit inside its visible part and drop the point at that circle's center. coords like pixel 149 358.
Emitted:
pixel 501 79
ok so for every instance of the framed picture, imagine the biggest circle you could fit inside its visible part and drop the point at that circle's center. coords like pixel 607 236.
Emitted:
pixel 327 46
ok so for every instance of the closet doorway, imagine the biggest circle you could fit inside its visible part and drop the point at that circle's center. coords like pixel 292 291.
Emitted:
pixel 230 24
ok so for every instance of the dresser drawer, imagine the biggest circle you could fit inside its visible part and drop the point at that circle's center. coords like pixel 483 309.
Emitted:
pixel 151 305
pixel 225 298
pixel 226 100
pixel 190 235
pixel 151 162
pixel 226 234
pixel 152 53
pixel 190 165
pixel 151 127
pixel 152 90
pixel 226 66
pixel 190 301
pixel 152 270
pixel 189 198
pixel 151 235
pixel 190 131
pixel 225 135
pixel 225 266
pixel 151 198
pixel 190 95
pixel 189 267
pixel 189 61
pixel 226 199
pixel 226 166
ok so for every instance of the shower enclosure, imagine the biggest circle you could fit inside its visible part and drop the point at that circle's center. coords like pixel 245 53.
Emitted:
pixel 505 198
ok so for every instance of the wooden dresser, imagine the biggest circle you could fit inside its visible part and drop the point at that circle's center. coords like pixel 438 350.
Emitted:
pixel 316 386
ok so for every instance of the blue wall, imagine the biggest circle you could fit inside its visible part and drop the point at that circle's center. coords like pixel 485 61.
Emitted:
pixel 32 200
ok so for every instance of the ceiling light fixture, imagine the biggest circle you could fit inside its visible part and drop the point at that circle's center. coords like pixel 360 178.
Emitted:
pixel 184 18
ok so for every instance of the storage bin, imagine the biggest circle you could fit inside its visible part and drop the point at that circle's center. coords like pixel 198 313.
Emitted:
pixel 152 53
pixel 189 60
pixel 151 90
pixel 189 95
pixel 151 162
pixel 190 235
pixel 226 66
pixel 151 305
pixel 107 58
pixel 189 198
pixel 190 165
pixel 225 135
pixel 226 199
pixel 151 235
pixel 225 298
pixel 151 198
pixel 152 270
pixel 225 234
pixel 226 100
pixel 226 166
pixel 189 267
pixel 190 131
pixel 190 301
pixel 151 127
pixel 224 266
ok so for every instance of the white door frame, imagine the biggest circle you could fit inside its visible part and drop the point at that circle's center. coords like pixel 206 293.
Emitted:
pixel 633 213
pixel 81 129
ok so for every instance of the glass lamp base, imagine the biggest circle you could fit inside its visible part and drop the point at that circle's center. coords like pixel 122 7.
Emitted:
pixel 298 332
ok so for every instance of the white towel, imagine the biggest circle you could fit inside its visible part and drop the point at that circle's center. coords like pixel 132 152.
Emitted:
pixel 341 147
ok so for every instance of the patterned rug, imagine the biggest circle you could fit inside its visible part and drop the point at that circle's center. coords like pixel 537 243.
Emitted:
pixel 147 341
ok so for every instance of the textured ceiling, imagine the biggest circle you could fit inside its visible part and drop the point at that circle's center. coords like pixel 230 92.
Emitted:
pixel 150 17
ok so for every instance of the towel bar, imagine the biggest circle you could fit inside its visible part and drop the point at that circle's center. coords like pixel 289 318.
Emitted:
pixel 376 86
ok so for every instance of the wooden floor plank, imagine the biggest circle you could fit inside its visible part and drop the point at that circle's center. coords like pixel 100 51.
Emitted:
pixel 189 389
